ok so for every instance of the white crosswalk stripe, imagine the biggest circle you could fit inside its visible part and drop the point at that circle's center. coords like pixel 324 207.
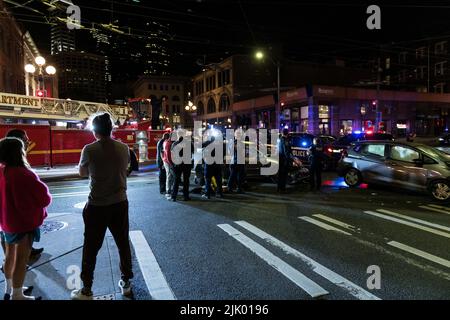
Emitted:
pixel 440 207
pixel 408 223
pixel 434 225
pixel 326 273
pixel 420 253
pixel 430 208
pixel 154 278
pixel 309 286
pixel 323 225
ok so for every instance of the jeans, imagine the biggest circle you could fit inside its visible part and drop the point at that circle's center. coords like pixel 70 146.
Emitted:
pixel 96 220
pixel 170 178
pixel 237 173
pixel 185 171
pixel 162 179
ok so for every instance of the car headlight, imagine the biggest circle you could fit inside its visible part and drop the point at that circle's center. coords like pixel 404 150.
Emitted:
pixel 441 139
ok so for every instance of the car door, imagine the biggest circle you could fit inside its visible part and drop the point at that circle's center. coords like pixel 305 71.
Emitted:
pixel 402 169
pixel 373 157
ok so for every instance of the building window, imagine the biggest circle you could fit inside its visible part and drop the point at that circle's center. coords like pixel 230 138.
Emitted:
pixel 200 108
pixel 440 47
pixel 439 88
pixel 420 72
pixel 439 68
pixel 161 87
pixel 421 52
pixel 167 87
pixel 324 112
pixel 402 76
pixel 402 57
pixel 175 98
pixel 211 106
pixel 388 80
pixel 224 104
pixel 346 127
pixel 388 63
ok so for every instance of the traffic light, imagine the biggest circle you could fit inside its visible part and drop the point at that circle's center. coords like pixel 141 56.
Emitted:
pixel 374 105
pixel 40 93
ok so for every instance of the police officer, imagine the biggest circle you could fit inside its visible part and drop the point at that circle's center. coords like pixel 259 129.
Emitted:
pixel 316 160
pixel 182 169
pixel 212 170
pixel 285 159
pixel 237 170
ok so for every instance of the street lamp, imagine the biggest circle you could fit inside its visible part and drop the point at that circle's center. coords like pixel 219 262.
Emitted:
pixel 259 55
pixel 50 70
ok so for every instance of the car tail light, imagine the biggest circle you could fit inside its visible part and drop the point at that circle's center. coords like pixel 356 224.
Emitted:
pixel 330 150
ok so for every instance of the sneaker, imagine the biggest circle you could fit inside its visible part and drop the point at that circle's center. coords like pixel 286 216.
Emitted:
pixel 36 252
pixel 204 196
pixel 27 290
pixel 81 294
pixel 125 288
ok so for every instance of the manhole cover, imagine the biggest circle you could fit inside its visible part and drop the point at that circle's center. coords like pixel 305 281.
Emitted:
pixel 51 226
pixel 105 297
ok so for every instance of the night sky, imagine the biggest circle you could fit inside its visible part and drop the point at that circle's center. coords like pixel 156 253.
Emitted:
pixel 305 30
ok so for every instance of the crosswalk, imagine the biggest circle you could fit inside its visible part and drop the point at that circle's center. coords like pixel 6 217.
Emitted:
pixel 341 227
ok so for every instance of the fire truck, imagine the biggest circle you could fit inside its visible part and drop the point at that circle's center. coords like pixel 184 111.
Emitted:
pixel 55 145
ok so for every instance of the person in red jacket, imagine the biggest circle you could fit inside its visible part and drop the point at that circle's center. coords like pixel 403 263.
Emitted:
pixel 168 165
pixel 23 202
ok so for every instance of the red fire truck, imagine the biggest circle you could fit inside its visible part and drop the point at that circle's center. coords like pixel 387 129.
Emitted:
pixel 50 146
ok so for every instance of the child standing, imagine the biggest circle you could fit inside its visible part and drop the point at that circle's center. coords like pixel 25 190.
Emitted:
pixel 23 202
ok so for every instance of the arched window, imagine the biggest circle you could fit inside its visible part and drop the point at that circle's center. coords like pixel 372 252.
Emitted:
pixel 200 108
pixel 211 106
pixel 224 104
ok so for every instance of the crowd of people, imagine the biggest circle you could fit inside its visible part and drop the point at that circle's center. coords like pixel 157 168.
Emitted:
pixel 24 198
pixel 211 173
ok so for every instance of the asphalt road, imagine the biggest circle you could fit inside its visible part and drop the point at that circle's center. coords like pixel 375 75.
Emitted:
pixel 262 245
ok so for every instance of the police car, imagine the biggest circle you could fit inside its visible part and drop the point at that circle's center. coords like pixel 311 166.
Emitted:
pixel 301 144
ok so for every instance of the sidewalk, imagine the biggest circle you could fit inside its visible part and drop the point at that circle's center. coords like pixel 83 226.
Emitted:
pixel 56 273
pixel 48 174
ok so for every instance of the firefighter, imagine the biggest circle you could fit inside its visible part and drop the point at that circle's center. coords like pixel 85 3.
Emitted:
pixel 285 159
pixel 316 161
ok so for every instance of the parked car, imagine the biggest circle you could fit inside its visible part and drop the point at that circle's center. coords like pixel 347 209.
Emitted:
pixel 400 165
pixel 444 140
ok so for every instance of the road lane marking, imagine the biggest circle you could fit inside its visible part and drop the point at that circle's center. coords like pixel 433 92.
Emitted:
pixel 328 274
pixel 323 225
pixel 447 209
pixel 336 222
pixel 66 188
pixel 299 279
pixel 80 205
pixel 420 253
pixel 434 209
pixel 392 213
pixel 154 278
pixel 410 224
pixel 70 194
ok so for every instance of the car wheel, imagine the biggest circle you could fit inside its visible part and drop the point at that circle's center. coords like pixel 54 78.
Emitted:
pixel 440 190
pixel 352 178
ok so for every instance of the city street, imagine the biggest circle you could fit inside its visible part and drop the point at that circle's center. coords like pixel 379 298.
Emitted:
pixel 258 245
